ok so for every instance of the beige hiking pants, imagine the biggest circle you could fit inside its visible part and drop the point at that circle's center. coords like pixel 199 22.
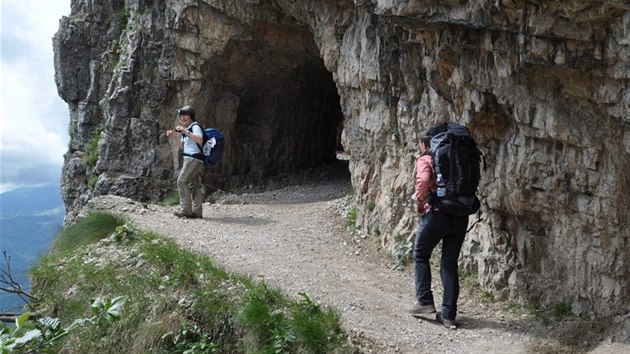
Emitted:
pixel 189 186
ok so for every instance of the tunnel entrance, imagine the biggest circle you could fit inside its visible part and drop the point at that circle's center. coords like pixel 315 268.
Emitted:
pixel 282 104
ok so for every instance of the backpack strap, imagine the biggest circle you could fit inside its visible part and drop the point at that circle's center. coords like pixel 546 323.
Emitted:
pixel 190 129
pixel 436 145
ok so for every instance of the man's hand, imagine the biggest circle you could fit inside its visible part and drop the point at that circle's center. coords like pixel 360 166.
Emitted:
pixel 178 130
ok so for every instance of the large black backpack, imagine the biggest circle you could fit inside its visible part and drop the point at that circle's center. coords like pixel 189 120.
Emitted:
pixel 457 164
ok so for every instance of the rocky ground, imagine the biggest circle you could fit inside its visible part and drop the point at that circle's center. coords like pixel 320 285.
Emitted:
pixel 293 234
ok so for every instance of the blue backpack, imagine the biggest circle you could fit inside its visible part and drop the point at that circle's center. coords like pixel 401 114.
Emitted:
pixel 212 148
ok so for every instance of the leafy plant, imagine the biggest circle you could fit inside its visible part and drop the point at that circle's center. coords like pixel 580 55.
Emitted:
pixel 110 308
pixel 401 252
pixel 124 232
pixel 191 339
pixel 371 206
pixel 34 336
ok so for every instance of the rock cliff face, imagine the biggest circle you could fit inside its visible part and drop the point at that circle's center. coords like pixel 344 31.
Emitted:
pixel 543 85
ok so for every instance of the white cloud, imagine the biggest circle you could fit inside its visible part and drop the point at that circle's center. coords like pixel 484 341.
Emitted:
pixel 34 122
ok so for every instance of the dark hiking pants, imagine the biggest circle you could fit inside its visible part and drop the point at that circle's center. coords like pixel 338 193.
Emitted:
pixel 451 230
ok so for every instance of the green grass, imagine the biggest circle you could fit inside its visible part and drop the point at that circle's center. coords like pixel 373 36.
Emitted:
pixel 468 279
pixel 178 301
pixel 91 160
pixel 123 17
pixel 170 200
pixel 92 182
pixel 289 326
pixel 92 148
pixel 486 296
pixel 92 228
pixel 563 311
pixel 352 218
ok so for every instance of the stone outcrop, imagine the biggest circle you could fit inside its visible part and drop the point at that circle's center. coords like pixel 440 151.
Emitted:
pixel 543 85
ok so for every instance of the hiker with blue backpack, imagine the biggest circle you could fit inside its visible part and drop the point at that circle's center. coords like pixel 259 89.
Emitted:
pixel 447 175
pixel 189 137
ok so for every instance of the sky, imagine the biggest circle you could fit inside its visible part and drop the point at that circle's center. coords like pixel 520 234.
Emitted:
pixel 34 120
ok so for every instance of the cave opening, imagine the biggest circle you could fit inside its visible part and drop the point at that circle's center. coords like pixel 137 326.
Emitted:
pixel 284 106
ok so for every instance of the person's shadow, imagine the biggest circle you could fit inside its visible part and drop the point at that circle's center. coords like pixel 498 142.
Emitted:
pixel 243 220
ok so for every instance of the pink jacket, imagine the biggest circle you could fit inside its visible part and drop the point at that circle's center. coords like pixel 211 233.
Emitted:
pixel 425 181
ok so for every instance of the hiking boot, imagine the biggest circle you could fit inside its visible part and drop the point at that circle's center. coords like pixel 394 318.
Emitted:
pixel 181 214
pixel 420 310
pixel 450 324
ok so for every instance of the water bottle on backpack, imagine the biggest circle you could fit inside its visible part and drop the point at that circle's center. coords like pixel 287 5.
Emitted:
pixel 441 189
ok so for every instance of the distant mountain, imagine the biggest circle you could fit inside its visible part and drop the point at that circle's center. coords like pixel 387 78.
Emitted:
pixel 30 200
pixel 30 218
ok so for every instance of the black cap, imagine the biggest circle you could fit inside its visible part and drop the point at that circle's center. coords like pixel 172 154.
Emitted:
pixel 187 110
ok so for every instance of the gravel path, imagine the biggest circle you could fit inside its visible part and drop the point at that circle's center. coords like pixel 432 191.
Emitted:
pixel 293 235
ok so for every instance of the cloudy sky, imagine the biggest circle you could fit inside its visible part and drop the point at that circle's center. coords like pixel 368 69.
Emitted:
pixel 34 120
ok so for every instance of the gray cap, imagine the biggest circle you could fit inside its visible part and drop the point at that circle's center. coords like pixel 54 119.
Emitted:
pixel 187 110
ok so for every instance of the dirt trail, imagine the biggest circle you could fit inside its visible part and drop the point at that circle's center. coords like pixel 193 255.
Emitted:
pixel 293 236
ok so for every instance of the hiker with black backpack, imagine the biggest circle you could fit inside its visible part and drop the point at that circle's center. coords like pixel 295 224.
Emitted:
pixel 189 136
pixel 447 176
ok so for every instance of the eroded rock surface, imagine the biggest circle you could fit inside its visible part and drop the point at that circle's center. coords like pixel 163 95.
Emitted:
pixel 542 85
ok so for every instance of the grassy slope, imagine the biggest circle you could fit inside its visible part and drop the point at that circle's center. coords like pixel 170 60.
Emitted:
pixel 177 300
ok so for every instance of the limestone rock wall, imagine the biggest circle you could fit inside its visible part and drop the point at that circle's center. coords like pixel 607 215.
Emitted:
pixel 542 85
pixel 124 67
